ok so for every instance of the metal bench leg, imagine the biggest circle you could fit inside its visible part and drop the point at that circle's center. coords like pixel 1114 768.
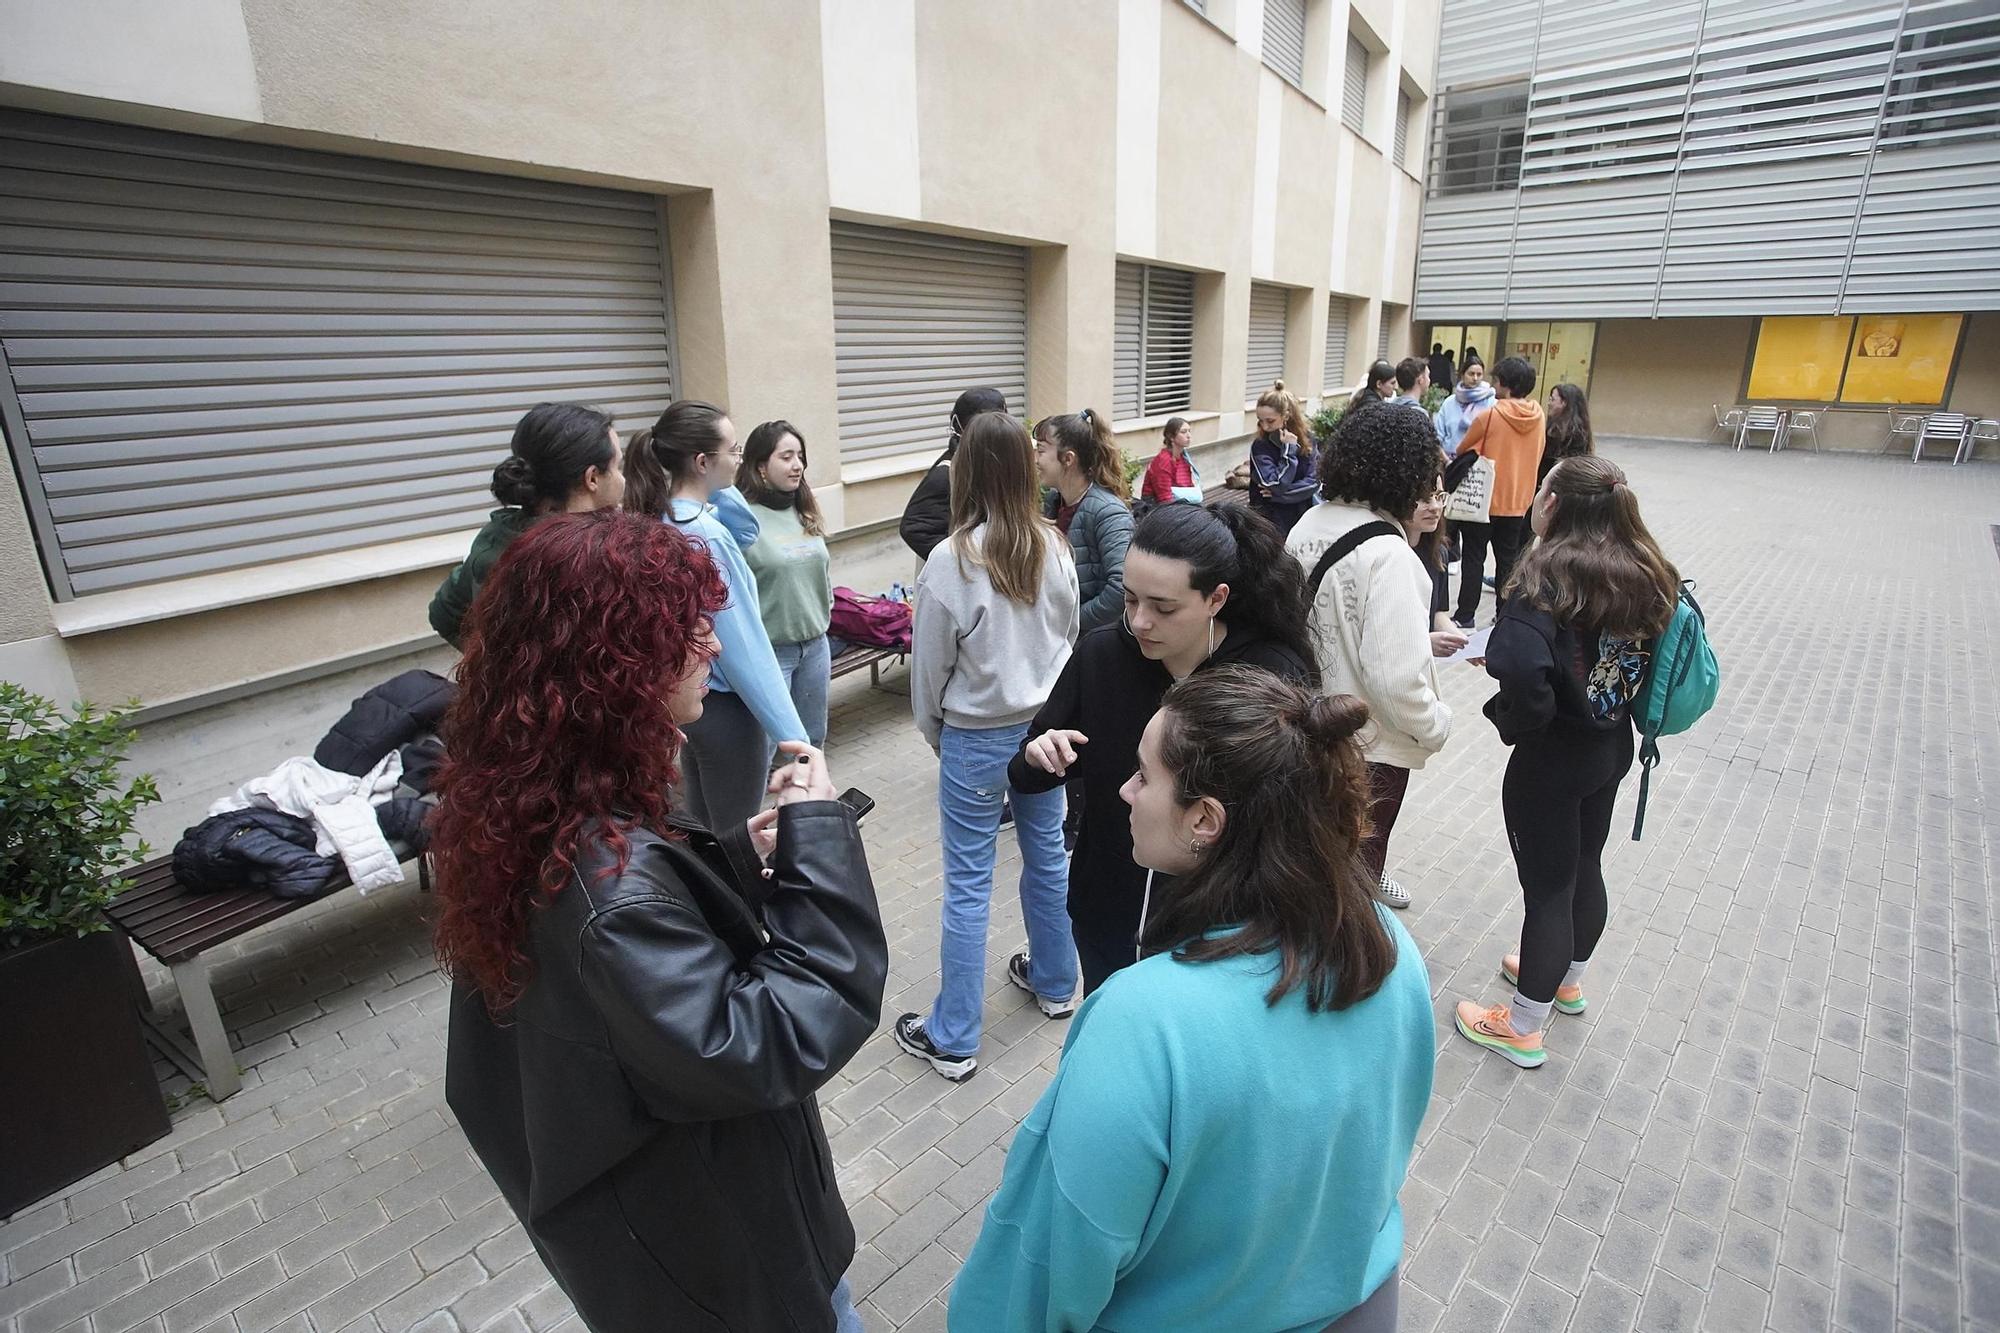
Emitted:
pixel 218 1062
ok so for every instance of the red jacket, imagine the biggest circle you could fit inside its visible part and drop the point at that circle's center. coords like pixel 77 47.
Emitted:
pixel 1163 474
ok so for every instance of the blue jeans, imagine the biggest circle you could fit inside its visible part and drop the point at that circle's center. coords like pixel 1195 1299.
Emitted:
pixel 808 669
pixel 846 1319
pixel 972 782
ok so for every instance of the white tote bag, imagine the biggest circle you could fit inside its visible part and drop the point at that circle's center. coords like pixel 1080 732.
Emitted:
pixel 1472 502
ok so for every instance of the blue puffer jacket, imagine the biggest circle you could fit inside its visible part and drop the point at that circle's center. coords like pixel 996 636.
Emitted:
pixel 1098 536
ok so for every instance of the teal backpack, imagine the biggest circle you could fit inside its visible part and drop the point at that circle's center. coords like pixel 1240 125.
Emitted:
pixel 1680 686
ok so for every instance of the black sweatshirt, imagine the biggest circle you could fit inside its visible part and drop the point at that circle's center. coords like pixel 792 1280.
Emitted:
pixel 1109 691
pixel 1559 683
pixel 927 516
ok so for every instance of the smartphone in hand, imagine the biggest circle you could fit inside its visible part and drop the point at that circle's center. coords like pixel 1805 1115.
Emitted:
pixel 858 801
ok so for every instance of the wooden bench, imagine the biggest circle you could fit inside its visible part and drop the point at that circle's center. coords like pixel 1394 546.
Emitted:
pixel 856 656
pixel 177 925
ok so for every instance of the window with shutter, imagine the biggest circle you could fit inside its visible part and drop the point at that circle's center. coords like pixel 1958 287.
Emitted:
pixel 1477 147
pixel 1400 149
pixel 1382 339
pixel 1285 39
pixel 916 319
pixel 1152 360
pixel 1354 87
pixel 225 354
pixel 1266 361
pixel 1334 373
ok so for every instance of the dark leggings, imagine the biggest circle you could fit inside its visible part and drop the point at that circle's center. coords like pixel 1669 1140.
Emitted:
pixel 1557 798
pixel 1386 787
pixel 1506 536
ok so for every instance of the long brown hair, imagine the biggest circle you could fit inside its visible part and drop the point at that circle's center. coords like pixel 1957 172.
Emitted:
pixel 1087 435
pixel 1282 880
pixel 656 459
pixel 1280 400
pixel 1597 565
pixel 993 482
pixel 757 451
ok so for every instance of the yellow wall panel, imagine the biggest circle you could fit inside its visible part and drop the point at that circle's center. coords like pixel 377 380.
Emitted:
pixel 1901 358
pixel 1799 357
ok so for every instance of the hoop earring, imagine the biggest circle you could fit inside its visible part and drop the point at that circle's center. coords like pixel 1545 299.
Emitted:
pixel 1194 845
pixel 1211 636
pixel 1125 619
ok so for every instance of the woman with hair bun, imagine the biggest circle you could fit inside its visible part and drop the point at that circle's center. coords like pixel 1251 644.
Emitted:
pixel 1204 587
pixel 1283 467
pixel 1223 1143
pixel 1172 475
pixel 1088 499
pixel 564 459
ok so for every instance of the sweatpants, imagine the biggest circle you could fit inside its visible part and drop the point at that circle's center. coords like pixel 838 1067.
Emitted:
pixel 1557 797
pixel 1506 536
pixel 724 772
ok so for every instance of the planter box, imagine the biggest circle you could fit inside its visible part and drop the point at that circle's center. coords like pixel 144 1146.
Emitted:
pixel 80 1091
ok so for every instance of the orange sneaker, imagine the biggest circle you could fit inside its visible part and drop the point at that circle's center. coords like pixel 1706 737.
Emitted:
pixel 1490 1028
pixel 1569 999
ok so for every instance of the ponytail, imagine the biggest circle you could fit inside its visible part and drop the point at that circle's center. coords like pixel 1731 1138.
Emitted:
pixel 657 459
pixel 1233 544
pixel 1087 434
pixel 1278 399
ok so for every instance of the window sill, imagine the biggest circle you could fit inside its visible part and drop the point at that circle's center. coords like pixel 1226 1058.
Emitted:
pixel 900 465
pixel 1297 88
pixel 1156 422
pixel 237 587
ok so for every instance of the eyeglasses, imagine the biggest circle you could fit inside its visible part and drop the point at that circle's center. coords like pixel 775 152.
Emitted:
pixel 736 453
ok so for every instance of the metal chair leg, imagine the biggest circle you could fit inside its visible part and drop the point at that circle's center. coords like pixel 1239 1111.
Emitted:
pixel 218 1062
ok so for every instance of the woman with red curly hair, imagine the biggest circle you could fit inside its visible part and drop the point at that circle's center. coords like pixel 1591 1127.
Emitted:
pixel 642 1010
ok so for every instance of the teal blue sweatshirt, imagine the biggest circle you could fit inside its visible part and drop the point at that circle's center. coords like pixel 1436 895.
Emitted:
pixel 746 667
pixel 1203 1161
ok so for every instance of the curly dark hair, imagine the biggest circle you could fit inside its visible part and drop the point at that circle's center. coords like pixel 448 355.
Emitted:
pixel 1386 458
pixel 561 720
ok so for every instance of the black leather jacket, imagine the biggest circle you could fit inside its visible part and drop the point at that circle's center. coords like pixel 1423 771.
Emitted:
pixel 647 1107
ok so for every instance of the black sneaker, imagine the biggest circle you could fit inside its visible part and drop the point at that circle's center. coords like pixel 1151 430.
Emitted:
pixel 910 1035
pixel 1017 972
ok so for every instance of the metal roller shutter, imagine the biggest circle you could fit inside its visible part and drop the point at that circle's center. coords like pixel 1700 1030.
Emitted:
pixel 224 354
pixel 1382 339
pixel 1128 338
pixel 1266 362
pixel 1169 341
pixel 918 318
pixel 1354 87
pixel 1400 147
pixel 1285 39
pixel 1334 373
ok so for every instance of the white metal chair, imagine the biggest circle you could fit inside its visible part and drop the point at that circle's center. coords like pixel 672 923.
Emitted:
pixel 1985 429
pixel 1726 423
pixel 1771 419
pixel 1805 421
pixel 1945 427
pixel 1903 426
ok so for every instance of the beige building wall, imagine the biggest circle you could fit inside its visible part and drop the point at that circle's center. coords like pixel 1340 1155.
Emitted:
pixel 1135 129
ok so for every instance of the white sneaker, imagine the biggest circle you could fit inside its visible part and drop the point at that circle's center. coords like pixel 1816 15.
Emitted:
pixel 1392 894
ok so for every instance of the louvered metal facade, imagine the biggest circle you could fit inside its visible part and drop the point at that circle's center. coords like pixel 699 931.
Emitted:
pixel 1333 372
pixel 1265 364
pixel 1152 353
pixel 1400 144
pixel 220 354
pixel 1285 39
pixel 1704 157
pixel 916 319
pixel 1354 86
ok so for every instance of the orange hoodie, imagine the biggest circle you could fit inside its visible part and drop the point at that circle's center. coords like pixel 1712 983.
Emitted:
pixel 1511 434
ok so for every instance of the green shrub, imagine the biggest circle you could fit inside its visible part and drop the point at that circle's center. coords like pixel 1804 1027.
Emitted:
pixel 64 820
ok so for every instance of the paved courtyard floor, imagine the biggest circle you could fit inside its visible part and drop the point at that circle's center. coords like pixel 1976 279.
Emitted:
pixel 1782 1110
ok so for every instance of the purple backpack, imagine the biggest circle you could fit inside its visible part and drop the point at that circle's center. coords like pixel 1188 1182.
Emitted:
pixel 876 622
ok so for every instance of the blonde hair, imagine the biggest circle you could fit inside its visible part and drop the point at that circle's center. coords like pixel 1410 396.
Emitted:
pixel 1280 400
pixel 993 483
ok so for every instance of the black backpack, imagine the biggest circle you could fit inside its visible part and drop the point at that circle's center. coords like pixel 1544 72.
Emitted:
pixel 1344 547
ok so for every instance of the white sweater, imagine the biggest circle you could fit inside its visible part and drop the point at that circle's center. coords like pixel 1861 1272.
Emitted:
pixel 1371 620
pixel 978 660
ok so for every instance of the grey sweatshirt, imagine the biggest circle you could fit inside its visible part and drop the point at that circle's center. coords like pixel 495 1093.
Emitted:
pixel 978 660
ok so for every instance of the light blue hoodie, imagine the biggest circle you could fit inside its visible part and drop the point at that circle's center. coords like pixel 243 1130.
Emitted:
pixel 1455 414
pixel 1203 1160
pixel 746 666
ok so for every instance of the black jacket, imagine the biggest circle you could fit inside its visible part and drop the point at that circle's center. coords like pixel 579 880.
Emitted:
pixel 1108 691
pixel 1558 683
pixel 927 517
pixel 388 717
pixel 647 1106
pixel 276 852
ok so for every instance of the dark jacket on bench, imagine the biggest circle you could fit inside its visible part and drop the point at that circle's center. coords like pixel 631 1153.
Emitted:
pixel 647 1106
